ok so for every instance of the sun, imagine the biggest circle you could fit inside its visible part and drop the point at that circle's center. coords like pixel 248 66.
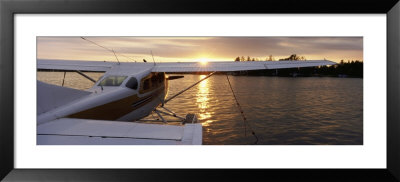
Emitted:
pixel 203 61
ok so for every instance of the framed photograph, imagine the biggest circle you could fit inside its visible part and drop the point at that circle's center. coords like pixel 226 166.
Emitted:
pixel 275 88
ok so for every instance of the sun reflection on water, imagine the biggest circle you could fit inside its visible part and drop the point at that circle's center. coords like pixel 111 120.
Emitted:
pixel 202 100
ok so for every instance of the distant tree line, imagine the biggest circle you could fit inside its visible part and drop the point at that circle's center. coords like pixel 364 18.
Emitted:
pixel 292 57
pixel 248 58
pixel 353 68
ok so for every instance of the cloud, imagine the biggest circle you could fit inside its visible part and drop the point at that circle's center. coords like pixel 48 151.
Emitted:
pixel 195 47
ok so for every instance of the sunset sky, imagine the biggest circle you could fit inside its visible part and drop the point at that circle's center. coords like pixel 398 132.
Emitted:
pixel 180 49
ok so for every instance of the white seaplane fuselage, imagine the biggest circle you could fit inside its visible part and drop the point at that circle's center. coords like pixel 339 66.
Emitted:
pixel 118 95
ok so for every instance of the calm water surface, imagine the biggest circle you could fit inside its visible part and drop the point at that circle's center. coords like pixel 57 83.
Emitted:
pixel 280 110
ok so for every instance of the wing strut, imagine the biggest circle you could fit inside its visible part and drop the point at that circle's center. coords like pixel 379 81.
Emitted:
pixel 179 93
pixel 64 78
pixel 84 75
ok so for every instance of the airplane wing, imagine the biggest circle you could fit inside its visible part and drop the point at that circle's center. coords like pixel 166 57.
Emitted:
pixel 178 67
pixel 47 64
pixel 72 131
pixel 235 66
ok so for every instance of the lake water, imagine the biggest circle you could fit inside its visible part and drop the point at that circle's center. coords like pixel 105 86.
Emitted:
pixel 280 110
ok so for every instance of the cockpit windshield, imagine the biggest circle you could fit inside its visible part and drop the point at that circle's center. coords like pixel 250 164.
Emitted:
pixel 112 81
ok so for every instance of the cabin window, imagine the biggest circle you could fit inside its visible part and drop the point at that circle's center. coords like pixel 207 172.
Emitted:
pixel 146 84
pixel 132 83
pixel 112 81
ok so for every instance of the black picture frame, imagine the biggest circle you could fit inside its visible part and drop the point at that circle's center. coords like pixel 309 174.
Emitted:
pixel 9 8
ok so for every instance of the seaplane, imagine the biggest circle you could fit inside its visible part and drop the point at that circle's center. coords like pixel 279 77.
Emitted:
pixel 108 113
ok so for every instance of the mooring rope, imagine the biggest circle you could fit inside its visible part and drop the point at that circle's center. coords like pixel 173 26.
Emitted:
pixel 179 93
pixel 245 122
